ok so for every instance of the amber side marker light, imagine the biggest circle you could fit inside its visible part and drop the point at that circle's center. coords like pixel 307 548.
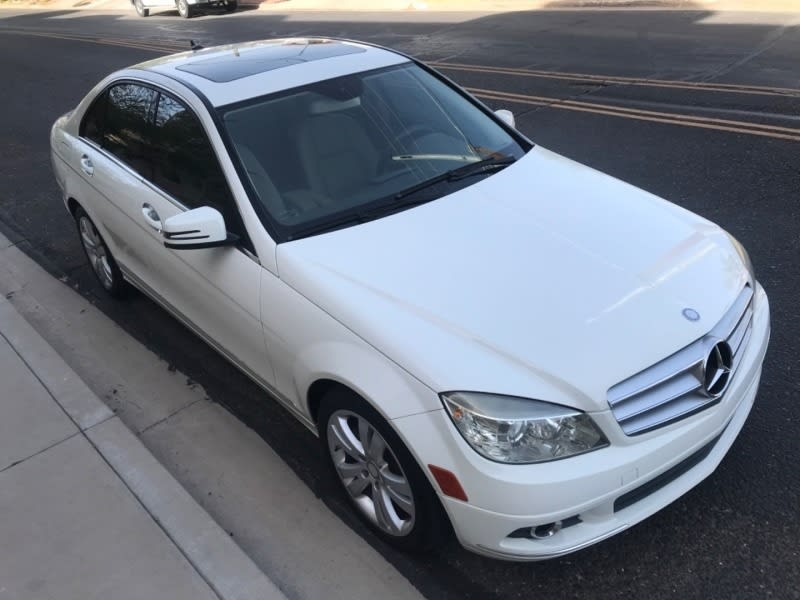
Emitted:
pixel 448 483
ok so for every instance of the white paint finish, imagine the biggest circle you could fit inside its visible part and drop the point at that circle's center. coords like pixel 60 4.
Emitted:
pixel 214 289
pixel 160 3
pixel 204 222
pixel 547 490
pixel 77 533
pixel 307 344
pixel 483 531
pixel 512 283
pixel 503 498
pixel 272 515
pixel 31 421
pixel 547 280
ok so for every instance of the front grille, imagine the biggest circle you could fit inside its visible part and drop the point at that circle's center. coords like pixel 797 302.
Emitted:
pixel 674 388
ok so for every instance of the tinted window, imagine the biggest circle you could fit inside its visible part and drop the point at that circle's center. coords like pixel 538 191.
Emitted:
pixel 92 126
pixel 127 126
pixel 337 150
pixel 185 164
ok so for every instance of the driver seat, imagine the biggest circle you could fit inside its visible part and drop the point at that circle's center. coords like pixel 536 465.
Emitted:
pixel 338 156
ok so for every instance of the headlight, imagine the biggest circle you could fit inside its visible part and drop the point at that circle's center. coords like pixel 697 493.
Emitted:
pixel 744 256
pixel 517 430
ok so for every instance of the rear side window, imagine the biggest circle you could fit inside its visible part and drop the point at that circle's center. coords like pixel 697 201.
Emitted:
pixel 127 127
pixel 94 120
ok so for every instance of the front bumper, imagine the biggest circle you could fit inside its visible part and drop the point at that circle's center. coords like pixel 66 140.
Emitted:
pixel 637 476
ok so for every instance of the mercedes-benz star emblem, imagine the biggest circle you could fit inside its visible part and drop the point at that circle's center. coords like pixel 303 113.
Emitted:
pixel 717 370
pixel 691 314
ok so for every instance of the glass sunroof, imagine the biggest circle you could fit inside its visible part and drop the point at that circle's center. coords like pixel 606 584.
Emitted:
pixel 243 61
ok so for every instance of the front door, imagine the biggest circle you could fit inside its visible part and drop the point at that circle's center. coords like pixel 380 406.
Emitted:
pixel 214 291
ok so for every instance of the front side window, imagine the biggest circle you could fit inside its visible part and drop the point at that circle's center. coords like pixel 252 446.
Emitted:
pixel 185 165
pixel 358 147
pixel 163 140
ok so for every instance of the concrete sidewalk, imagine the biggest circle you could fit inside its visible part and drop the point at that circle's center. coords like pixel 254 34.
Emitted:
pixel 85 510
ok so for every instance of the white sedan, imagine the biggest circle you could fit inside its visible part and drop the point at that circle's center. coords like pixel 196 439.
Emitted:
pixel 483 334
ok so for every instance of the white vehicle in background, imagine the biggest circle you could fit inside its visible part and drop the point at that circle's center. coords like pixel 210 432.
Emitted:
pixel 482 333
pixel 186 8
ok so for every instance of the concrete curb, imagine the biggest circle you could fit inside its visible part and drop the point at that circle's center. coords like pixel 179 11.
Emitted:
pixel 208 548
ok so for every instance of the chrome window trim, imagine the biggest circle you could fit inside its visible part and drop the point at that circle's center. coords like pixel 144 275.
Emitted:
pixel 150 185
pixel 160 89
pixel 674 388
pixel 135 281
pixel 154 188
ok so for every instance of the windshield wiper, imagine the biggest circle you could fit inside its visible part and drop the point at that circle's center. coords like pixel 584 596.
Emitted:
pixel 476 168
pixel 343 221
pixel 364 215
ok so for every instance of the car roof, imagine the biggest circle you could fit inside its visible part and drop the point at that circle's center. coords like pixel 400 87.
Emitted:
pixel 236 72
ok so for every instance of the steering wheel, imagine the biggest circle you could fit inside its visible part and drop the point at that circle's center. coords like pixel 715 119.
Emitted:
pixel 411 135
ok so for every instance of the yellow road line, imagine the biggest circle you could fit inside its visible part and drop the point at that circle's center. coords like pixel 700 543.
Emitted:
pixel 651 113
pixel 607 79
pixel 652 116
pixel 128 43
pixel 764 130
pixel 149 45
pixel 105 42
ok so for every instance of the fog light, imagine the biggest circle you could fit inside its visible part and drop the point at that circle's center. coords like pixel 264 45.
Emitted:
pixel 545 531
pixel 542 532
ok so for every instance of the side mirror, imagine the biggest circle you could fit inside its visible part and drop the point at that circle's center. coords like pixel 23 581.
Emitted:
pixel 198 228
pixel 506 116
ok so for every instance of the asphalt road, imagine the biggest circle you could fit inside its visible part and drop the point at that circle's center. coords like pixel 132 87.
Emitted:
pixel 700 108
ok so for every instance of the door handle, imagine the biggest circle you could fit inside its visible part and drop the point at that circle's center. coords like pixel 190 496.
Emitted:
pixel 151 216
pixel 86 165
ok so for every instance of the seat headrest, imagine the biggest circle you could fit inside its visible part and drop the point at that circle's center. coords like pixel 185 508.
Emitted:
pixel 328 105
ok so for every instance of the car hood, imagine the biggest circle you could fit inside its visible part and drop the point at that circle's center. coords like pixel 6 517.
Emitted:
pixel 547 280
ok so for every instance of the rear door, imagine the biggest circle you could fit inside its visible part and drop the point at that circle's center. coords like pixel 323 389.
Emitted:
pixel 111 157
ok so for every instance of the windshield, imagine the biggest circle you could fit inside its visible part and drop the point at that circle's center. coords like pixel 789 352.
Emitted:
pixel 347 150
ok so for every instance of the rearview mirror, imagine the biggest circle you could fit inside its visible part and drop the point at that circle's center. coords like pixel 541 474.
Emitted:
pixel 201 227
pixel 506 116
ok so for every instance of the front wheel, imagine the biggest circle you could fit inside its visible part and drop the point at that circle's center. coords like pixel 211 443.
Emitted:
pixel 184 9
pixel 231 5
pixel 378 473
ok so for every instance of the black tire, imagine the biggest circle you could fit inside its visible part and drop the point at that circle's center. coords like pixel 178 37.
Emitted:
pixel 140 9
pixel 430 524
pixel 105 268
pixel 185 9
pixel 231 5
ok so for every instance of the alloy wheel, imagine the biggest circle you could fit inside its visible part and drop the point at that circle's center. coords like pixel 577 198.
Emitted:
pixel 97 252
pixel 371 473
